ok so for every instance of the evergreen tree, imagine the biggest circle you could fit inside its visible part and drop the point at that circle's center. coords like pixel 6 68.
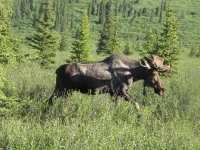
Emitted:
pixel 130 11
pixel 64 42
pixel 23 9
pixel 89 9
pixel 168 45
pixel 152 15
pixel 108 14
pixel 120 8
pixel 102 12
pixel 44 40
pixel 164 5
pixel 9 45
pixel 124 8
pixel 127 50
pixel 138 47
pixel 77 33
pixel 17 10
pixel 98 9
pixel 161 13
pixel 36 15
pixel 72 21
pixel 109 42
pixel 41 9
pixel 149 46
pixel 57 6
pixel 115 42
pixel 104 41
pixel 93 7
pixel 81 46
pixel 116 8
pixel 157 11
pixel 64 20
pixel 31 5
pixel 137 1
pixel 144 11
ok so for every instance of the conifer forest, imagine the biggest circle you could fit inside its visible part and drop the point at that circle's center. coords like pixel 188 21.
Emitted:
pixel 38 36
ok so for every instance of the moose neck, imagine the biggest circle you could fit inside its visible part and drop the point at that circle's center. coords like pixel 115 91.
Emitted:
pixel 138 72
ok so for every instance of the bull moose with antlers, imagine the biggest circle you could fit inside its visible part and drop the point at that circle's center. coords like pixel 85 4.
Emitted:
pixel 113 75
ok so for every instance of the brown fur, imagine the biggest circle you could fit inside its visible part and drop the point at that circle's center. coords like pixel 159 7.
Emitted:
pixel 113 75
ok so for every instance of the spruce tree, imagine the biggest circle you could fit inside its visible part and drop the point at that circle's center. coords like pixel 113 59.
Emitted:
pixel 168 44
pixel 115 42
pixel 109 42
pixel 161 12
pixel 17 9
pixel 9 45
pixel 44 40
pixel 36 15
pixel 127 50
pixel 81 45
pixel 149 47
pixel 116 8
pixel 152 15
pixel 8 55
pixel 64 42
pixel 72 21
pixel 102 12
pixel 64 20
pixel 89 9
pixel 58 17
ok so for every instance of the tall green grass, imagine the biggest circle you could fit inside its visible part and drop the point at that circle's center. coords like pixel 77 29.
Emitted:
pixel 95 122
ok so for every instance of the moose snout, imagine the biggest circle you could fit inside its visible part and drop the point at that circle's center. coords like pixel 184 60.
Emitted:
pixel 159 91
pixel 162 91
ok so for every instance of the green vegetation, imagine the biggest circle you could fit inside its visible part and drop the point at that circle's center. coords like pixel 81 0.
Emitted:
pixel 94 121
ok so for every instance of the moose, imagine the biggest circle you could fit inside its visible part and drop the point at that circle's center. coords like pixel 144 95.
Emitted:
pixel 113 75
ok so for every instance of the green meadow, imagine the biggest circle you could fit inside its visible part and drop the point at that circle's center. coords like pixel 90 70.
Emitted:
pixel 83 121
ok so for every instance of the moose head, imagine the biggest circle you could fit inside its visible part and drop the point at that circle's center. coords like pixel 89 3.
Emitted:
pixel 154 65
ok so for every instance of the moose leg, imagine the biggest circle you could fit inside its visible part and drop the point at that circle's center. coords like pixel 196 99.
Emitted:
pixel 58 91
pixel 127 97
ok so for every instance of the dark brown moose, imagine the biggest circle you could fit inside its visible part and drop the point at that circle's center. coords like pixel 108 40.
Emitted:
pixel 113 75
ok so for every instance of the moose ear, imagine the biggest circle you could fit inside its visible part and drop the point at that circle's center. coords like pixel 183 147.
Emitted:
pixel 144 63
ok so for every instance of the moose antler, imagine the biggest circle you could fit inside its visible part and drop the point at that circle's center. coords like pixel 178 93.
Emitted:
pixel 146 65
pixel 157 63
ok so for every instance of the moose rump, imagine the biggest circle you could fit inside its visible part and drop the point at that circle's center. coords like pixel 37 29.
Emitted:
pixel 86 78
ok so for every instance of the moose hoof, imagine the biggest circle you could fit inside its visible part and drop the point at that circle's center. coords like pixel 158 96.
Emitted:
pixel 137 105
